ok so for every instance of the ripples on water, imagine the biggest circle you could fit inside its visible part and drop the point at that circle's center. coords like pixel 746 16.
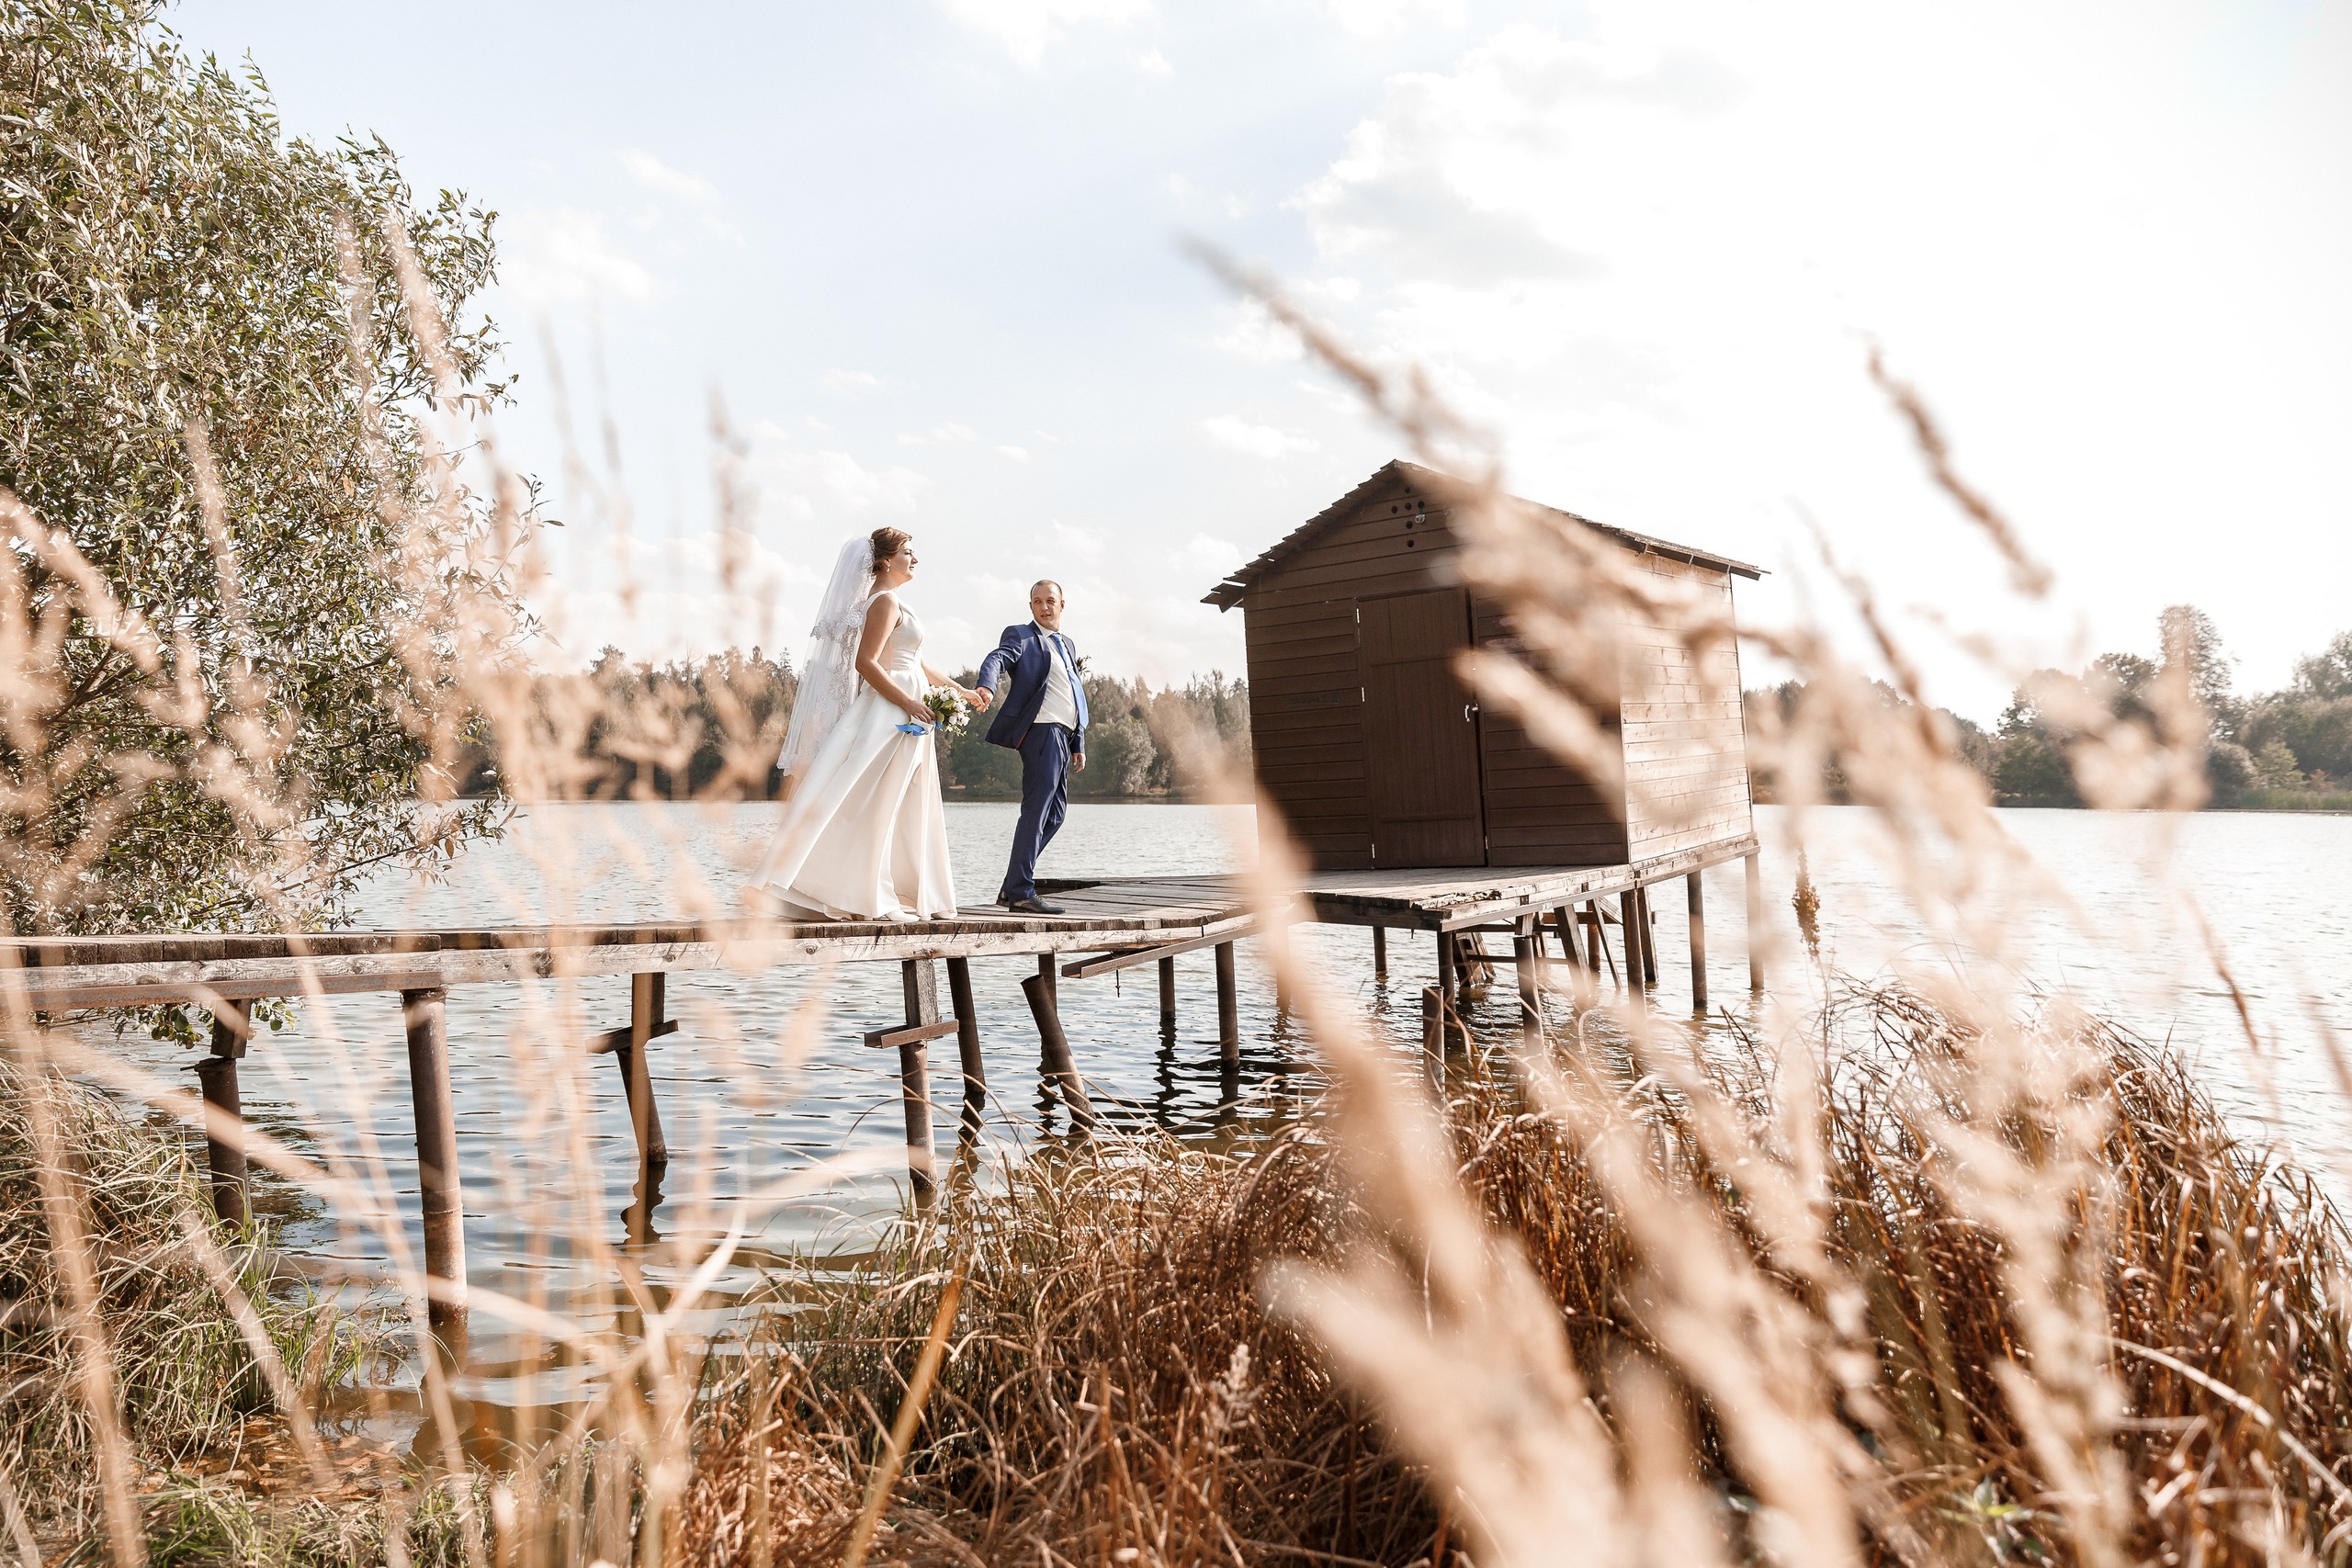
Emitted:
pixel 2277 887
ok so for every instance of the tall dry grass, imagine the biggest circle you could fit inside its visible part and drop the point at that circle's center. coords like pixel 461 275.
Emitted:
pixel 1120 1382
pixel 1939 1272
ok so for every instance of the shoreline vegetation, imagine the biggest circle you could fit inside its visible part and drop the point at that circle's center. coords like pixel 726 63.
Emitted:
pixel 673 732
pixel 2284 750
pixel 1131 1379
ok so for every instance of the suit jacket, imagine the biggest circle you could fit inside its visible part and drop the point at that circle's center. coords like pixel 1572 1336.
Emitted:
pixel 1024 655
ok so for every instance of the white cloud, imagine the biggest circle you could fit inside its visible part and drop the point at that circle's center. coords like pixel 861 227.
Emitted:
pixel 831 484
pixel 1255 440
pixel 1374 18
pixel 654 174
pixel 849 381
pixel 564 257
pixel 1646 249
pixel 674 596
pixel 1152 62
pixel 1025 26
pixel 1253 334
pixel 1210 557
pixel 939 436
pixel 1017 454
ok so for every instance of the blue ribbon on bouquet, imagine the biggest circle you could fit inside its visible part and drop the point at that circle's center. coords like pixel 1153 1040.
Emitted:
pixel 914 729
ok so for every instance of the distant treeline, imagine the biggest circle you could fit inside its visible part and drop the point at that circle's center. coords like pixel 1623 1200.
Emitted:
pixel 2289 749
pixel 691 729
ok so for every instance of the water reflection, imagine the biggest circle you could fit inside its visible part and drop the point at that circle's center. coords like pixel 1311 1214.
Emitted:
pixel 550 1157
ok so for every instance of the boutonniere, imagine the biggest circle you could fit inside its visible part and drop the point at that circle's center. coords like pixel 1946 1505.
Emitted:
pixel 1084 669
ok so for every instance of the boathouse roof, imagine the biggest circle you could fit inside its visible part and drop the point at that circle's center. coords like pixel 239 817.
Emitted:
pixel 1228 594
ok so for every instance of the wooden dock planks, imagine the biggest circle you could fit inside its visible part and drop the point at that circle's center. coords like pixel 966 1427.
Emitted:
pixel 1101 917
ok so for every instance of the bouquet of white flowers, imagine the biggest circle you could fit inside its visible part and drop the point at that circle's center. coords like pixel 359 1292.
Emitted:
pixel 949 711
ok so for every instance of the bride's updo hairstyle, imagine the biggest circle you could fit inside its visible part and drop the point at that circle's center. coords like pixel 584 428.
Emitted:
pixel 888 542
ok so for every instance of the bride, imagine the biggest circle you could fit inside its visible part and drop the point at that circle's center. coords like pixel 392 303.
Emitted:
pixel 864 836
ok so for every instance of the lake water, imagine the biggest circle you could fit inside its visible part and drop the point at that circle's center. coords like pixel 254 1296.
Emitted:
pixel 544 1135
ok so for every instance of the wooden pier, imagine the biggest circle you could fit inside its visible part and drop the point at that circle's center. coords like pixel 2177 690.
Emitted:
pixel 1108 927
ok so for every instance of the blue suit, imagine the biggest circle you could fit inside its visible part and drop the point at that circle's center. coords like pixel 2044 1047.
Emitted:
pixel 1016 673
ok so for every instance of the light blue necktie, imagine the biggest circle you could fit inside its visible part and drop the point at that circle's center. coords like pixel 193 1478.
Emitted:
pixel 1070 668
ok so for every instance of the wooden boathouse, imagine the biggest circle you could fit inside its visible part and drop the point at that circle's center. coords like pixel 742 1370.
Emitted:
pixel 1381 759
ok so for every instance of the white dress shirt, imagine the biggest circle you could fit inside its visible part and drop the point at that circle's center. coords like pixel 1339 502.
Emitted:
pixel 1059 705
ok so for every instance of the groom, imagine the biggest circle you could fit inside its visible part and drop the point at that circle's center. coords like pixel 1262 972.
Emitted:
pixel 1043 717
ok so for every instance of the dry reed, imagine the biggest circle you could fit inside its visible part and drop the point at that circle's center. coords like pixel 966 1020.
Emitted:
pixel 1932 1273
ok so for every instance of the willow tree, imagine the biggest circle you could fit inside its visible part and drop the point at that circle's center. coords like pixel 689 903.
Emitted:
pixel 242 579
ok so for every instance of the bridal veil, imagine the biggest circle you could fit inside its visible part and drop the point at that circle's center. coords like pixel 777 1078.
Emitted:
pixel 829 671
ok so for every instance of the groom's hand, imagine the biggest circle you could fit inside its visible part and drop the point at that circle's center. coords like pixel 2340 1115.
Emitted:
pixel 1077 762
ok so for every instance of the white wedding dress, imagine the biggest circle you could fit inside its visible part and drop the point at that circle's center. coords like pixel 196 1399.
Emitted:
pixel 864 835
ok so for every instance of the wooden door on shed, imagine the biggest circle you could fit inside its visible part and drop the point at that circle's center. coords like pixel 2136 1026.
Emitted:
pixel 1421 730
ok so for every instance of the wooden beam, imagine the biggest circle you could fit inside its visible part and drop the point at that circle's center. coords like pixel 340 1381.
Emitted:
pixel 1045 978
pixel 645 1006
pixel 128 974
pixel 1698 904
pixel 1168 995
pixel 968 1042
pixel 1531 992
pixel 1061 1070
pixel 1754 865
pixel 1596 922
pixel 1380 952
pixel 1629 910
pixel 440 1193
pixel 613 1039
pixel 919 983
pixel 1129 958
pixel 1228 1006
pixel 1472 895
pixel 912 1033
pixel 1649 937
pixel 224 1149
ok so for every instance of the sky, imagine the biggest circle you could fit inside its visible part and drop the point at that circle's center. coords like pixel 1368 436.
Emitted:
pixel 927 256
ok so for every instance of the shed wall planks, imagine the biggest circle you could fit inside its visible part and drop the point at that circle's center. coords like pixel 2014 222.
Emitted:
pixel 1676 726
pixel 1683 730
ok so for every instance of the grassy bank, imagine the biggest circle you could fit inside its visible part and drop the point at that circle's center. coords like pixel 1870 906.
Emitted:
pixel 1119 1382
pixel 195 1336
pixel 1120 1390
pixel 2339 800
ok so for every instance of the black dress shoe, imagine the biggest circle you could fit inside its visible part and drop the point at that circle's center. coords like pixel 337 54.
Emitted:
pixel 1033 905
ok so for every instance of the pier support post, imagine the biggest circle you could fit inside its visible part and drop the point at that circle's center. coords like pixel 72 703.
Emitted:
pixel 1629 912
pixel 967 1042
pixel 1061 1070
pixel 1597 930
pixel 1380 952
pixel 1526 952
pixel 225 1148
pixel 441 1197
pixel 646 1002
pixel 1698 900
pixel 1168 996
pixel 1446 983
pixel 1228 1006
pixel 1051 979
pixel 1650 937
pixel 1754 865
pixel 920 985
pixel 1434 1025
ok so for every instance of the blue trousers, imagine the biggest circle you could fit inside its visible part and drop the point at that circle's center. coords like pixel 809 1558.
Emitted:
pixel 1045 801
